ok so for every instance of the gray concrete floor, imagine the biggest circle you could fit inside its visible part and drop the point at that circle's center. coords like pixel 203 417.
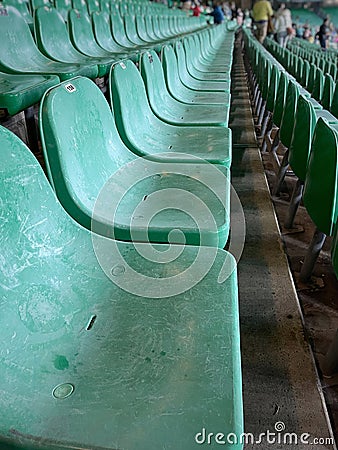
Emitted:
pixel 280 381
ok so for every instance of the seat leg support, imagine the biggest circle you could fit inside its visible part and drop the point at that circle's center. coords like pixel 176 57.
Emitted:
pixel 294 203
pixel 312 255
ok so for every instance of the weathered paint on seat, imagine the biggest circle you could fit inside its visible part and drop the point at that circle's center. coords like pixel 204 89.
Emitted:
pixel 75 119
pixel 85 351
pixel 146 135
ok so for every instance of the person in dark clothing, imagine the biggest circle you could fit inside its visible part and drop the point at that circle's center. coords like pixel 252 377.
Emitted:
pixel 323 33
pixel 217 14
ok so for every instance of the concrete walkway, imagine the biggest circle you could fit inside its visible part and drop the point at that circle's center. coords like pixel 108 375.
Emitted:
pixel 280 383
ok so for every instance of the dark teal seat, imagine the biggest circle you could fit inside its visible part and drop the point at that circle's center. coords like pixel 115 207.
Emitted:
pixel 145 134
pixel 78 175
pixel 116 338
pixel 22 7
pixel 131 32
pixel 19 92
pixel 53 41
pixel 119 33
pixel 171 110
pixel 19 54
pixel 180 91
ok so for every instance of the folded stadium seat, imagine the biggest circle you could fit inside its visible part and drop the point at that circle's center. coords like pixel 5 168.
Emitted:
pixel 164 26
pixel 124 352
pixel 19 92
pixel 320 195
pixel 318 85
pixel 105 6
pixel 334 104
pixel 181 92
pixel 103 36
pixel 212 75
pixel 171 110
pixel 193 83
pixel 145 134
pixel 119 33
pixel 78 175
pixel 62 7
pixel 157 29
pixel 56 44
pixel 328 91
pixel 82 36
pixel 19 53
pixel 22 7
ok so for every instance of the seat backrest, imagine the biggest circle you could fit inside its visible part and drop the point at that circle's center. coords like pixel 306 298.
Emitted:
pixel 81 144
pixel 82 34
pixel 170 67
pixel 320 188
pixel 63 6
pixel 334 104
pixel 289 112
pixel 93 6
pixel 32 216
pixel 14 30
pixel 272 91
pixel 80 5
pixel 127 88
pixel 153 77
pixel 22 7
pixel 280 99
pixel 52 36
pixel 318 85
pixel 327 92
pixel 300 146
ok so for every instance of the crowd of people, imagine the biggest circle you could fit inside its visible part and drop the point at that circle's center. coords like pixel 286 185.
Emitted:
pixel 264 21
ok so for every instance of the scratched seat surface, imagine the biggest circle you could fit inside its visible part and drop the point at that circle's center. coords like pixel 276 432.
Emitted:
pixel 83 150
pixel 145 134
pixel 91 363
pixel 171 110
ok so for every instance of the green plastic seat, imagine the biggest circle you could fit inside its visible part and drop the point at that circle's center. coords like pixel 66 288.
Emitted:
pixel 289 112
pixel 142 30
pixel 145 134
pixel 193 83
pixel 197 44
pixel 334 104
pixel 149 28
pixel 119 33
pixel 35 4
pixel 80 6
pixel 327 92
pixel 62 7
pixel 53 41
pixel 306 73
pixel 18 92
pixel 103 36
pixel 93 6
pixel 318 85
pixel 131 32
pixel 280 99
pixel 121 343
pixel 272 89
pixel 211 75
pixel 181 92
pixel 22 7
pixel 78 175
pixel 299 150
pixel 26 58
pixel 321 184
pixel 82 37
pixel 312 77
pixel 171 110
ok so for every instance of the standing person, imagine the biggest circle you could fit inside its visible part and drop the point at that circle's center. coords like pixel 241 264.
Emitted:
pixel 262 14
pixel 196 9
pixel 239 17
pixel 283 25
pixel 323 33
pixel 217 13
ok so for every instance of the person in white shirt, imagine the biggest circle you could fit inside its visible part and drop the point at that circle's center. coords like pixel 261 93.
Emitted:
pixel 283 25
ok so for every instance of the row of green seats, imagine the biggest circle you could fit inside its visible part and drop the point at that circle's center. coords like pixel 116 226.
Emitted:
pixel 309 135
pixel 119 331
pixel 311 52
pixel 323 88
